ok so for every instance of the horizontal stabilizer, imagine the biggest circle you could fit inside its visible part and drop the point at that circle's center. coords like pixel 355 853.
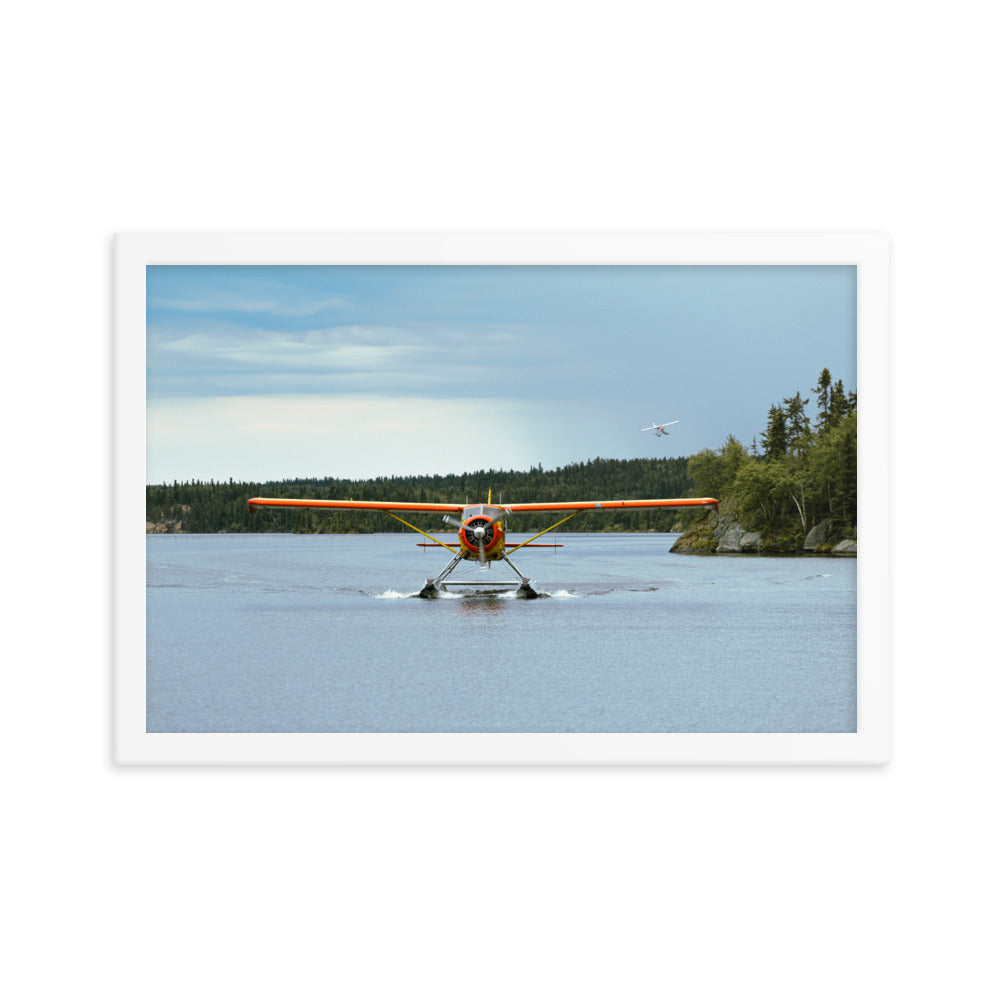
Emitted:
pixel 523 545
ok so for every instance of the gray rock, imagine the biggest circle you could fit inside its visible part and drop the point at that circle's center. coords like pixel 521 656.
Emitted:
pixel 817 536
pixel 730 540
pixel 750 541
pixel 847 547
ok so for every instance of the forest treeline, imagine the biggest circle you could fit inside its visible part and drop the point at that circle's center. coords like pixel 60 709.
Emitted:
pixel 200 507
pixel 803 471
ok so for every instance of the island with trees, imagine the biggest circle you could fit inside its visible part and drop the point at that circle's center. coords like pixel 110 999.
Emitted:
pixel 795 491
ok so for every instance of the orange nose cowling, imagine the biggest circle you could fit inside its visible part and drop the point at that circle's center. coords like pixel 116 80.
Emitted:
pixel 492 540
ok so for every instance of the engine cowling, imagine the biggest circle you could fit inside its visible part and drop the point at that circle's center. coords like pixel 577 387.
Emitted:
pixel 482 535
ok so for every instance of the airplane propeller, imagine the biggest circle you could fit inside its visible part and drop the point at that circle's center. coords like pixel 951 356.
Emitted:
pixel 478 532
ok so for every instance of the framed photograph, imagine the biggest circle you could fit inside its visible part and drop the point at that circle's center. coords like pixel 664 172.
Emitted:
pixel 501 498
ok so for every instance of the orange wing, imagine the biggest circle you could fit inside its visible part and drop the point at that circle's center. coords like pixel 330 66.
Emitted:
pixel 612 504
pixel 451 508
pixel 458 507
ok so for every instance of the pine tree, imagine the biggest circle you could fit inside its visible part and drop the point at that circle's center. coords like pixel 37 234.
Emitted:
pixel 840 403
pixel 822 391
pixel 797 423
pixel 775 438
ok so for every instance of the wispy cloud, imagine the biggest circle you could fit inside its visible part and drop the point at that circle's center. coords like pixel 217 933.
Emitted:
pixel 231 303
pixel 218 358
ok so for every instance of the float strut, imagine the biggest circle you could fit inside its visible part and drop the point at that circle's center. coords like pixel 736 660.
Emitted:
pixel 525 590
pixel 430 588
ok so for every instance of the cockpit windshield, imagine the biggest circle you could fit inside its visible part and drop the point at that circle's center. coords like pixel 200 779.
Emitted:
pixel 482 510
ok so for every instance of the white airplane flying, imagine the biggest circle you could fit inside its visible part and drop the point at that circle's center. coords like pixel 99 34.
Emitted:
pixel 660 429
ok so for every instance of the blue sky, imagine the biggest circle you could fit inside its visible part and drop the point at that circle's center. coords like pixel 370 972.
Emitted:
pixel 272 372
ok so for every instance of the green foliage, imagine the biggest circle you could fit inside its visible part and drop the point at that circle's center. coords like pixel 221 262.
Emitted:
pixel 842 404
pixel 805 476
pixel 775 437
pixel 833 473
pixel 797 424
pixel 822 390
pixel 760 495
pixel 715 472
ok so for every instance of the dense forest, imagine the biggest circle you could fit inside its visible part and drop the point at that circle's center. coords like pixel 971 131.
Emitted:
pixel 802 472
pixel 200 507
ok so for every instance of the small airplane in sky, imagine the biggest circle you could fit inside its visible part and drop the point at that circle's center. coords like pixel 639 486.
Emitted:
pixel 482 531
pixel 661 429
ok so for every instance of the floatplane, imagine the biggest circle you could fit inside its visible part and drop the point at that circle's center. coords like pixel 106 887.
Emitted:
pixel 661 429
pixel 482 530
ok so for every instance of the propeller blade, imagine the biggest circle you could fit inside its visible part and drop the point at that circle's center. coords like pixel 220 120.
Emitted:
pixel 453 521
pixel 501 516
pixel 482 551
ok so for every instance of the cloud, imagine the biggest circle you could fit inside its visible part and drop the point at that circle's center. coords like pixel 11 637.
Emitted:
pixel 231 303
pixel 218 358
pixel 276 351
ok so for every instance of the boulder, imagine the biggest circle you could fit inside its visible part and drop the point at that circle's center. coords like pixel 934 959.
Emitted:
pixel 729 541
pixel 817 536
pixel 848 547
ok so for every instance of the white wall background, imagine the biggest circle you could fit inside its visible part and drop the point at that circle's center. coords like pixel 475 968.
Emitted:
pixel 714 882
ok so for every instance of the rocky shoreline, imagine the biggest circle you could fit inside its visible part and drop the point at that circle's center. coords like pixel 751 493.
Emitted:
pixel 164 527
pixel 722 534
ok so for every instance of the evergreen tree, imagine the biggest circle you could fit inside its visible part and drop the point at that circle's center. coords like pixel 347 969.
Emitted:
pixel 775 438
pixel 842 403
pixel 797 423
pixel 822 391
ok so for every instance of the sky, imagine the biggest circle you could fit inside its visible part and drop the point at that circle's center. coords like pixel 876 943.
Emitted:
pixel 273 372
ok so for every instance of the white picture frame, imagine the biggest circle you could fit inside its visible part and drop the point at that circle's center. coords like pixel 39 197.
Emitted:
pixel 869 745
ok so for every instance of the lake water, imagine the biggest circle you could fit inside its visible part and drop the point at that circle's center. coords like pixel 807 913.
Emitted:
pixel 321 633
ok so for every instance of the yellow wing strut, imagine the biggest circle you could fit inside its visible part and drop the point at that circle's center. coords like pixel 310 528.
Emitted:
pixel 549 528
pixel 431 537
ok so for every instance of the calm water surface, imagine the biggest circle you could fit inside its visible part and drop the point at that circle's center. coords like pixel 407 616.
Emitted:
pixel 320 633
